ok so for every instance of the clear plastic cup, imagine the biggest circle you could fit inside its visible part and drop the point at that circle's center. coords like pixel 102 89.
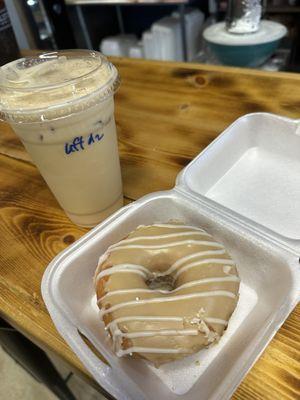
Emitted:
pixel 61 106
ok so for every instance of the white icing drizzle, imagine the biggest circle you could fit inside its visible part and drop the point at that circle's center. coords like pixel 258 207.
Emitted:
pixel 140 268
pixel 213 293
pixel 158 237
pixel 117 334
pixel 189 257
pixel 183 286
pixel 128 291
pixel 134 349
pixel 133 268
pixel 143 318
pixel 204 262
pixel 207 280
pixel 161 332
pixel 215 321
pixel 172 244
pixel 174 226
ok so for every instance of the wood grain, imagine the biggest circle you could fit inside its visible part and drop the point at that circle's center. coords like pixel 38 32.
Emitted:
pixel 166 114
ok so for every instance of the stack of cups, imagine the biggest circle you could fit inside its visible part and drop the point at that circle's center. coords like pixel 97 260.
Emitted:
pixel 61 106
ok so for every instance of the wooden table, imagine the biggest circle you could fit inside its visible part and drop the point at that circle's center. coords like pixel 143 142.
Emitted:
pixel 166 114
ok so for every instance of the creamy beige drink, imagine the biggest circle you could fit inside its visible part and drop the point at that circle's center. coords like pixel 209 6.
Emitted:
pixel 61 106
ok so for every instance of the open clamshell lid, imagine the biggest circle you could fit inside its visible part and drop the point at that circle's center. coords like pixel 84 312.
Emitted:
pixel 252 173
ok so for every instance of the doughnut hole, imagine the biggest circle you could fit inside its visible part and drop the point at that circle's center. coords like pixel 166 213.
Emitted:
pixel 161 282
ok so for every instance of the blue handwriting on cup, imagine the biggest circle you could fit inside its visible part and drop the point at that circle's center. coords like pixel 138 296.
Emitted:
pixel 79 142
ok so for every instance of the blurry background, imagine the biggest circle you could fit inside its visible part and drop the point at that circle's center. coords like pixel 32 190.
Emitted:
pixel 151 29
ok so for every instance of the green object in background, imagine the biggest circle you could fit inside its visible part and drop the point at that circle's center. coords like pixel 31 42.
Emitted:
pixel 244 56
pixel 244 49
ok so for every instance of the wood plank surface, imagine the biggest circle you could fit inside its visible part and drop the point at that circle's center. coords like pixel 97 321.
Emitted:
pixel 166 113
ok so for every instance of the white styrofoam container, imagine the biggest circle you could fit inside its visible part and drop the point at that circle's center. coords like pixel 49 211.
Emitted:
pixel 244 189
pixel 151 49
pixel 194 19
pixel 118 45
pixel 167 37
pixel 136 51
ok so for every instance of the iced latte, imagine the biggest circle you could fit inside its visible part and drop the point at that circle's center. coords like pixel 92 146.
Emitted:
pixel 61 106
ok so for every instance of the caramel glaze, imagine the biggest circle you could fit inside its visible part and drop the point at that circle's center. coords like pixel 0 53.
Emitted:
pixel 166 291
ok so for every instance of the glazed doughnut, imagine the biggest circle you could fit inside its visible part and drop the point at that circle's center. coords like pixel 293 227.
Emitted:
pixel 166 291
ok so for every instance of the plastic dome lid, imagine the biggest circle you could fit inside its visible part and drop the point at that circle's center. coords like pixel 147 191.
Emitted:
pixel 55 84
